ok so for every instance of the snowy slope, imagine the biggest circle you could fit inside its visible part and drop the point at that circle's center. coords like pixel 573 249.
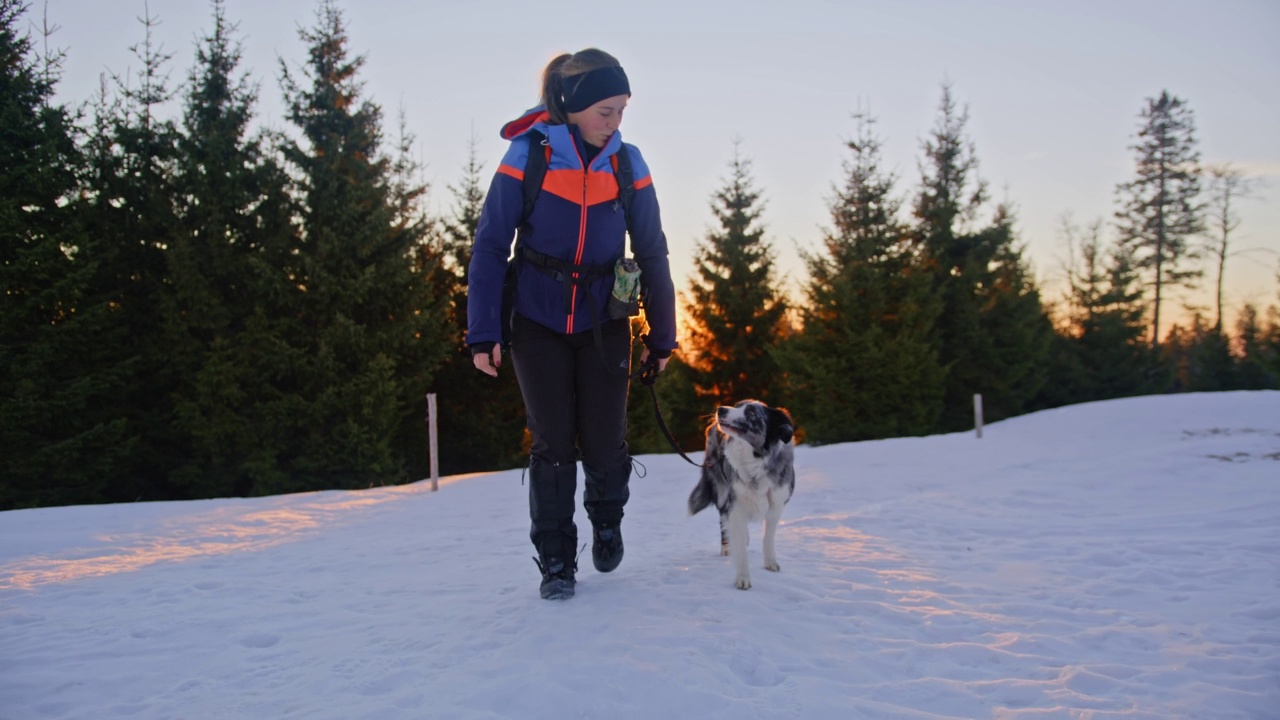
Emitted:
pixel 1110 560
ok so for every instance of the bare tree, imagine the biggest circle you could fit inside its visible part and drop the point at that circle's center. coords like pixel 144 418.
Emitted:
pixel 1227 186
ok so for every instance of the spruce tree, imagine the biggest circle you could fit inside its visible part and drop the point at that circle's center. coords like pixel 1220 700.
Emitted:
pixel 128 203
pixel 1257 367
pixel 1101 352
pixel 62 439
pixel 864 365
pixel 734 308
pixel 1111 332
pixel 1200 357
pixel 1160 209
pixel 460 229
pixel 229 296
pixel 374 334
pixel 483 418
pixel 408 195
pixel 1013 362
pixel 993 333
pixel 1269 341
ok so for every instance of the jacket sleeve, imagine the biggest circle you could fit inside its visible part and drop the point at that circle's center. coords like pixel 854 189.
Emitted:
pixel 649 246
pixel 495 232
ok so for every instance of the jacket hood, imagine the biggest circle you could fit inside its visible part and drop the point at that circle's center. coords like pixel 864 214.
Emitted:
pixel 523 124
pixel 564 137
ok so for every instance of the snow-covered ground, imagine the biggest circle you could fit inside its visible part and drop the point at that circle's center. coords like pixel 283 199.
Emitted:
pixel 1110 560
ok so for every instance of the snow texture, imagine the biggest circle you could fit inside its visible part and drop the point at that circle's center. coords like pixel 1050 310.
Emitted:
pixel 1109 560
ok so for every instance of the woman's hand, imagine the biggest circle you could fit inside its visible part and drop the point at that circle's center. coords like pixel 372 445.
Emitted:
pixel 644 356
pixel 488 363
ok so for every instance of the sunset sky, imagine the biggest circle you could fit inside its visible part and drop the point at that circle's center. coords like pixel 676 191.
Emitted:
pixel 1053 90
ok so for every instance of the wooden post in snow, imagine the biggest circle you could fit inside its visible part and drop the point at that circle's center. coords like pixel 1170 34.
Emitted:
pixel 431 438
pixel 977 413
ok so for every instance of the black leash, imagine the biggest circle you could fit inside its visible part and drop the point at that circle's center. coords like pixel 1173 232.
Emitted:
pixel 649 376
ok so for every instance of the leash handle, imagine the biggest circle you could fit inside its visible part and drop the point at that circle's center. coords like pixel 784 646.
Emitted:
pixel 649 372
pixel 649 376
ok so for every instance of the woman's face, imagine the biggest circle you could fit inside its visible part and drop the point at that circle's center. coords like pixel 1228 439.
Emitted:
pixel 600 121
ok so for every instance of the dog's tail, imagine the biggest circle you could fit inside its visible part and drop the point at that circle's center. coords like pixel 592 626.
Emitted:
pixel 703 495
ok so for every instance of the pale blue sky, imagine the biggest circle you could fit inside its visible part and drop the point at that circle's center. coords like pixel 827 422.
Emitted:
pixel 1053 90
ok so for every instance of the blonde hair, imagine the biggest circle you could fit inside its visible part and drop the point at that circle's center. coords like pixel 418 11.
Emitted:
pixel 568 65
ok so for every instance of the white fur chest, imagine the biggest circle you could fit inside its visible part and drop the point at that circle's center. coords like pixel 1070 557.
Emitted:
pixel 752 486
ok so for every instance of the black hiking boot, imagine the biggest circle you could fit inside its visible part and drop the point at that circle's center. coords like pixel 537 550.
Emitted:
pixel 606 548
pixel 557 579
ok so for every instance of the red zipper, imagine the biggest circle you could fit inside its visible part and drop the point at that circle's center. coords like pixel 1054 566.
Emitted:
pixel 582 243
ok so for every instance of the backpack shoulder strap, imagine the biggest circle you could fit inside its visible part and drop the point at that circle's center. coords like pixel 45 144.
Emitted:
pixel 626 178
pixel 535 169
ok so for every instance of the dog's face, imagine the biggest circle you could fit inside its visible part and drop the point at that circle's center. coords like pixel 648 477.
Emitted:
pixel 755 423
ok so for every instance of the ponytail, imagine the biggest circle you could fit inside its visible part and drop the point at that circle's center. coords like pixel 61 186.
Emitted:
pixel 568 65
pixel 553 89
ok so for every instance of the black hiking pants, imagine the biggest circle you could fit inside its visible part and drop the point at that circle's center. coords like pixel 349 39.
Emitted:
pixel 575 407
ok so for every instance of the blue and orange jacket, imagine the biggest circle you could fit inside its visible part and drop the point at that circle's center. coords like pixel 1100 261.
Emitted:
pixel 577 219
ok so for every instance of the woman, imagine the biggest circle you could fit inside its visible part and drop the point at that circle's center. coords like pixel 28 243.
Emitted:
pixel 572 359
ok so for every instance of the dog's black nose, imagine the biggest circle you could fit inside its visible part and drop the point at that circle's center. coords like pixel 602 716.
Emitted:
pixel 722 411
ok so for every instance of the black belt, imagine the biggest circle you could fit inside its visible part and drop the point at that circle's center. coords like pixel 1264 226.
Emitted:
pixel 568 274
pixel 571 275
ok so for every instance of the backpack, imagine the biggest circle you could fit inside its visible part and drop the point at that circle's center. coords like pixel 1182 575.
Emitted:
pixel 535 171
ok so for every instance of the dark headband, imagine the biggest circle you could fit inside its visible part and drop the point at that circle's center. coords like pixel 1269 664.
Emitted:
pixel 583 90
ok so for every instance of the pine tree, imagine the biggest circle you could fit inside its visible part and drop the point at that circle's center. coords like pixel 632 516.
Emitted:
pixel 1014 320
pixel 1159 209
pixel 1200 356
pixel 1257 364
pixel 408 194
pixel 864 365
pixel 1101 353
pixel 229 296
pixel 993 333
pixel 1268 353
pixel 460 229
pixel 485 427
pixel 62 440
pixel 128 203
pixel 372 327
pixel 734 308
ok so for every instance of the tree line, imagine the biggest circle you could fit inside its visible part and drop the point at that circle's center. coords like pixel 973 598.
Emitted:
pixel 919 299
pixel 194 308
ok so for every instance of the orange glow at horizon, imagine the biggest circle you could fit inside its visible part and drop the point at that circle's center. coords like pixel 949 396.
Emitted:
pixel 223 531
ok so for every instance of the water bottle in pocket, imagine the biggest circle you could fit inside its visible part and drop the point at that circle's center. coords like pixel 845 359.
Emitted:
pixel 624 301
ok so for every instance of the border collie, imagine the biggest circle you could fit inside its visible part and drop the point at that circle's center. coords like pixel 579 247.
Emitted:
pixel 748 474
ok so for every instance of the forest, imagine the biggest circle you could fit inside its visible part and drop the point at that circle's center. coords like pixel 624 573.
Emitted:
pixel 195 306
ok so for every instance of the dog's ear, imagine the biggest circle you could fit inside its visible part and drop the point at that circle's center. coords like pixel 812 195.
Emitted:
pixel 780 424
pixel 785 432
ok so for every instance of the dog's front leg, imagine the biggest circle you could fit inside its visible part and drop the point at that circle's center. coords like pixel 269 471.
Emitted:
pixel 738 541
pixel 724 534
pixel 771 519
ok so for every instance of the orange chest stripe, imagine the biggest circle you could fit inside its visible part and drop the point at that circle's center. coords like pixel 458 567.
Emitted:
pixel 601 187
